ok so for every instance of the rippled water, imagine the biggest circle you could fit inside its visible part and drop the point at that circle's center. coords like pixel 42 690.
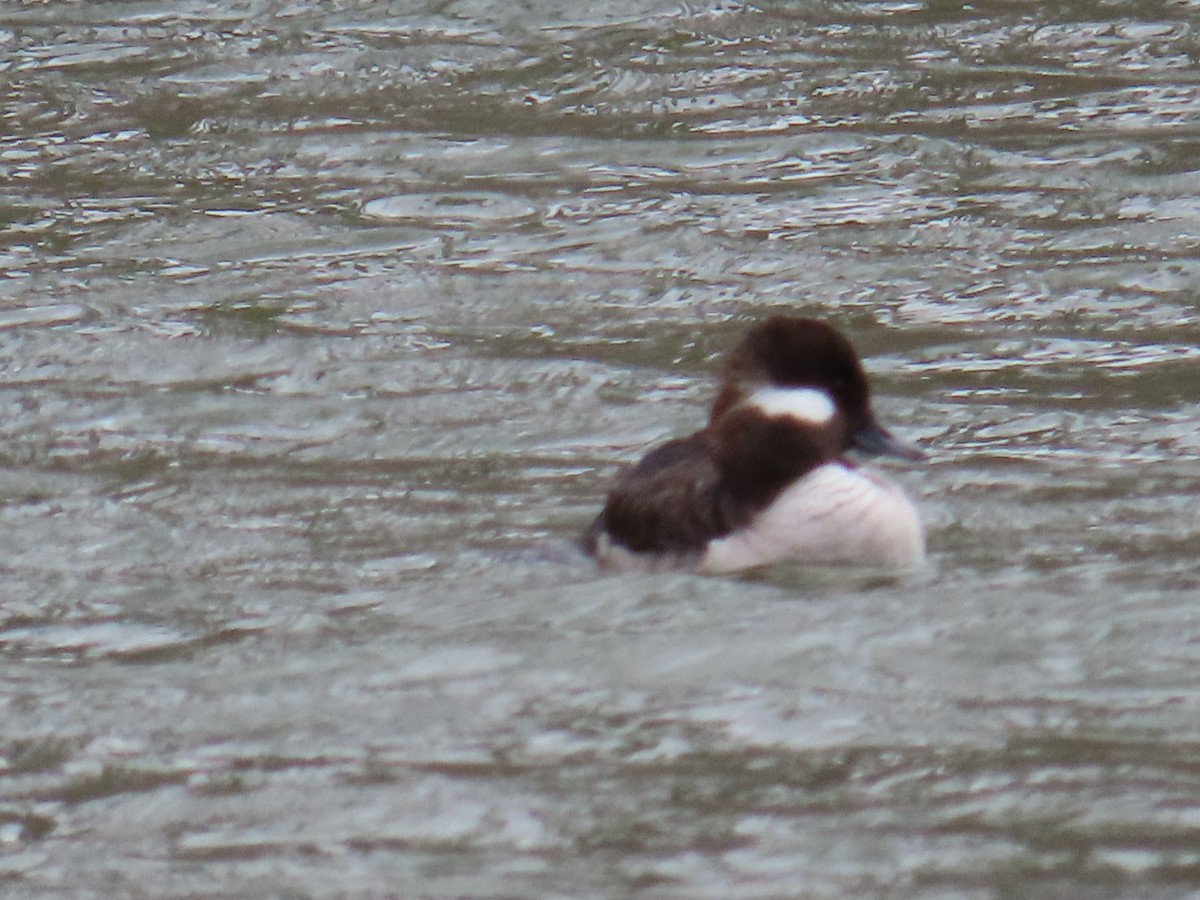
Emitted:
pixel 323 328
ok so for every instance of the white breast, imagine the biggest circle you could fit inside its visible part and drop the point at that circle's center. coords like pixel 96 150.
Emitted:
pixel 834 514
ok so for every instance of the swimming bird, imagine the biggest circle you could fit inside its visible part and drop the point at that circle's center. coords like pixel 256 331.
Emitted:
pixel 767 480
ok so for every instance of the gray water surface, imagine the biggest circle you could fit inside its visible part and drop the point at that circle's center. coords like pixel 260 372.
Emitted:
pixel 324 327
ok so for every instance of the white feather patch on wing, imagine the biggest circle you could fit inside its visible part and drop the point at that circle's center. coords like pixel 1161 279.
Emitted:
pixel 807 404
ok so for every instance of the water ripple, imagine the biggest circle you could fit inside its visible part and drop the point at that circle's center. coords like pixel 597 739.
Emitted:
pixel 323 328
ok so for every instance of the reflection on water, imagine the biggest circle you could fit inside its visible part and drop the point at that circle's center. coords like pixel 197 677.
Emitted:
pixel 324 327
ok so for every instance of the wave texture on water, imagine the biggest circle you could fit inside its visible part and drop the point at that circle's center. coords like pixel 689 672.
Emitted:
pixel 323 328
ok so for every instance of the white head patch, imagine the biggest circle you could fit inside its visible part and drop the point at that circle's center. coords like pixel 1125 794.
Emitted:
pixel 806 404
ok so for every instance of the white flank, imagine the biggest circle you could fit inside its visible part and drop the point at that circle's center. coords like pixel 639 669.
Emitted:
pixel 834 514
pixel 809 405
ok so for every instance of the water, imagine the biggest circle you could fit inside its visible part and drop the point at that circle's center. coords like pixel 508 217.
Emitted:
pixel 323 328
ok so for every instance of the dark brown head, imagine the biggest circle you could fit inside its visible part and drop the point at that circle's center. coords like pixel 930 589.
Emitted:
pixel 802 374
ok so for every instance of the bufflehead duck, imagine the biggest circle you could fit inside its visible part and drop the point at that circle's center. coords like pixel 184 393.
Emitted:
pixel 766 480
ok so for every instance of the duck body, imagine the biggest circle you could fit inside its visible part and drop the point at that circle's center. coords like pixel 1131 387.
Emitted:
pixel 767 480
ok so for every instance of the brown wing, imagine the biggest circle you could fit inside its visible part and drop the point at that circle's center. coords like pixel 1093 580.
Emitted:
pixel 667 503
